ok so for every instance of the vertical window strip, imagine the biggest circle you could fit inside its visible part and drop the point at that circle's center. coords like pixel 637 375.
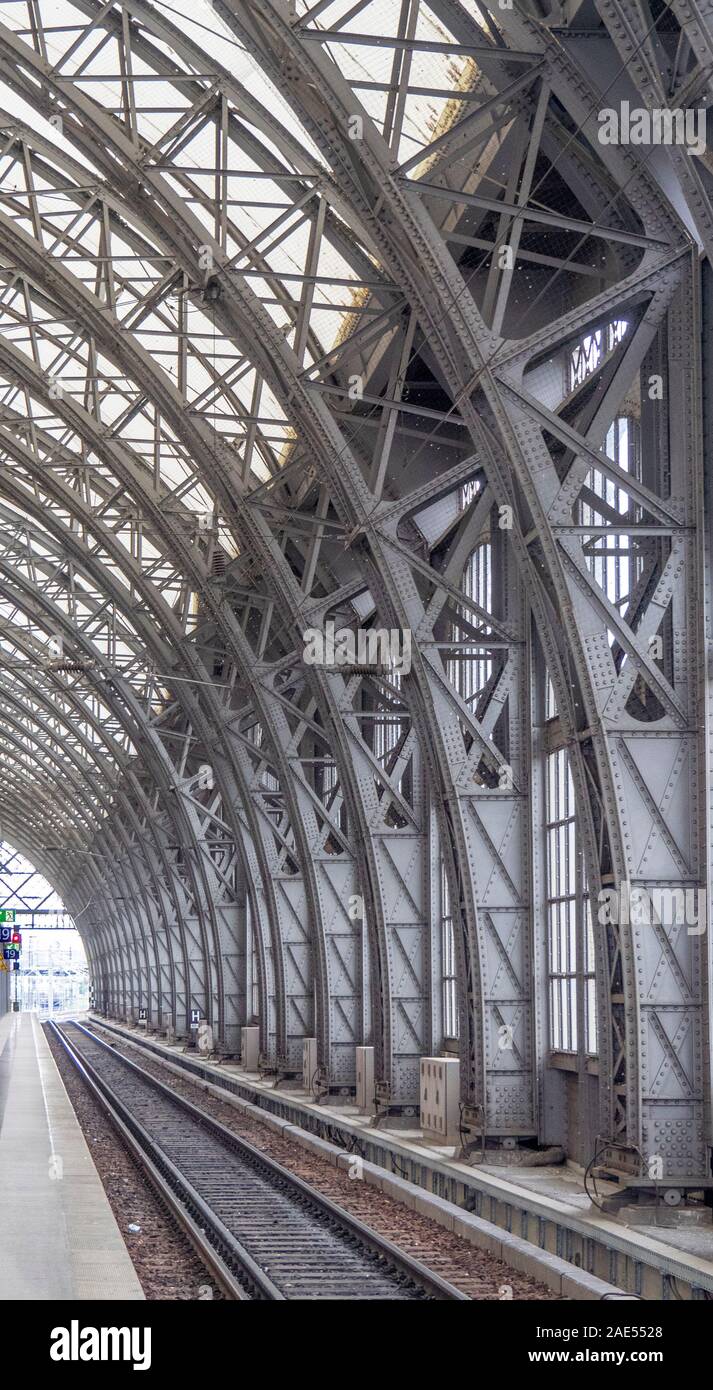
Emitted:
pixel 470 673
pixel 252 963
pixel 329 778
pixel 387 728
pixel 590 989
pixel 448 956
pixel 269 782
pixel 562 902
pixel 610 559
pixel 618 568
pixel 570 931
pixel 551 710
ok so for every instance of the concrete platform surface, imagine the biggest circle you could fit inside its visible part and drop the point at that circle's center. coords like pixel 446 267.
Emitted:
pixel 58 1235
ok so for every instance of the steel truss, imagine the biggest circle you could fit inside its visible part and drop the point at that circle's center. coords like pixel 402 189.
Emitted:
pixel 289 326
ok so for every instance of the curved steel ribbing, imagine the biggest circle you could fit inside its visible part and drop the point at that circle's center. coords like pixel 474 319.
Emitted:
pixel 266 367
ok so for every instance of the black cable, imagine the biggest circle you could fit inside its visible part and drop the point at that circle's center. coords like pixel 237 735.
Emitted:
pixel 594 1199
pixel 314 1092
pixel 611 1144
pixel 348 1144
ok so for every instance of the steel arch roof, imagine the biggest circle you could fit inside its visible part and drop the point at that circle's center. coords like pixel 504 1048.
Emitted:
pixel 261 367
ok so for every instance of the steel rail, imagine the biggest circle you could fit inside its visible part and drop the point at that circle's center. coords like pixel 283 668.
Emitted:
pixel 410 1278
pixel 159 1175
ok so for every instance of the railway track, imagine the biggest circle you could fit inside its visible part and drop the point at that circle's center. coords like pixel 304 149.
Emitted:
pixel 262 1231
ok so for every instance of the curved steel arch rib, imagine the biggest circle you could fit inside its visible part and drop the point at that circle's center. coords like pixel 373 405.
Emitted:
pixel 268 289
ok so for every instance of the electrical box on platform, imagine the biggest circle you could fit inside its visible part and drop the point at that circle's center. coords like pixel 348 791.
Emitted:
pixel 365 1079
pixel 440 1097
pixel 249 1047
pixel 309 1063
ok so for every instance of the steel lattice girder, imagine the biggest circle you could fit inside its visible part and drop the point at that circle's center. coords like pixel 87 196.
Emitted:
pixel 220 379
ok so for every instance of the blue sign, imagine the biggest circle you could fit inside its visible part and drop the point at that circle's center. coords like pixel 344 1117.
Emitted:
pixel 6 933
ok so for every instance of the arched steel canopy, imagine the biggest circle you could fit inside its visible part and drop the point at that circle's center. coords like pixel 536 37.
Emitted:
pixel 303 306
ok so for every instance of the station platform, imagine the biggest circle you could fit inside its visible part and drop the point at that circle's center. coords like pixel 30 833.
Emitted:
pixel 59 1239
pixel 546 1207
